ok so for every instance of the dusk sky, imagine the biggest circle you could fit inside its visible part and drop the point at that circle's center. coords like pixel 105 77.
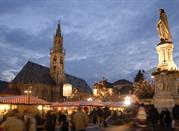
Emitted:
pixel 110 38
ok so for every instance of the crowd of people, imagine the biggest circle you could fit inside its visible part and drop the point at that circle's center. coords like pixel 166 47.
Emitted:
pixel 164 118
pixel 54 120
pixel 51 121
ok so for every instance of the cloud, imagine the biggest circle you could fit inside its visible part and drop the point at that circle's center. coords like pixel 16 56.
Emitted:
pixel 75 58
pixel 8 75
pixel 111 38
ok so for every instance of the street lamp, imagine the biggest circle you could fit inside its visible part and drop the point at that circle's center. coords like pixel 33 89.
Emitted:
pixel 67 90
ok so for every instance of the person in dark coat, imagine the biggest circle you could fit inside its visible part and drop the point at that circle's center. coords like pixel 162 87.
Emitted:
pixel 162 118
pixel 100 117
pixel 64 123
pixel 49 123
pixel 94 115
pixel 175 112
pixel 153 116
pixel 167 118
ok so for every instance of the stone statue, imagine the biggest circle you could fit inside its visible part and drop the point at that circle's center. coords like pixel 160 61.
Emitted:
pixel 163 28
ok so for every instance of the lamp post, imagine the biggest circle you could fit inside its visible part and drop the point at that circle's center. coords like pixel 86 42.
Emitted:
pixel 67 90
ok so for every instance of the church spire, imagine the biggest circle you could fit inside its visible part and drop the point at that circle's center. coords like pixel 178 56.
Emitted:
pixel 58 30
pixel 57 57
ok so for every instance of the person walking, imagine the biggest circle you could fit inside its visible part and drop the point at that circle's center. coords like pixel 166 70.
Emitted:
pixel 94 115
pixel 80 120
pixel 12 123
pixel 100 116
pixel 153 116
pixel 167 118
pixel 162 118
pixel 65 124
pixel 175 116
pixel 30 122
pixel 141 116
pixel 49 123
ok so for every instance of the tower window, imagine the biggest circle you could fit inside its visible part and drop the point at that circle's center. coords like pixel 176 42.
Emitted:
pixel 61 60
pixel 55 59
pixel 54 67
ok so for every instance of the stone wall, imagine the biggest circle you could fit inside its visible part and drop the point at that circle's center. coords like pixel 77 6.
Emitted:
pixel 47 92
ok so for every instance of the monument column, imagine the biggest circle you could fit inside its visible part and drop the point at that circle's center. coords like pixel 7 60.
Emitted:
pixel 166 84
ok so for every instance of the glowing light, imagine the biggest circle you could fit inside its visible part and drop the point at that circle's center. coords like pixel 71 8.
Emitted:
pixel 127 101
pixel 95 92
pixel 40 107
pixel 67 90
pixel 89 99
pixel 46 108
pixel 110 91
pixel 4 107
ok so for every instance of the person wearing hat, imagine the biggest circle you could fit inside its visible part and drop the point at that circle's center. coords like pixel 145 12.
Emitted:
pixel 12 123
pixel 80 120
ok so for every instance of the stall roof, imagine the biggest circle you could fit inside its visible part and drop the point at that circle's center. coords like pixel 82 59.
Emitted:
pixel 23 99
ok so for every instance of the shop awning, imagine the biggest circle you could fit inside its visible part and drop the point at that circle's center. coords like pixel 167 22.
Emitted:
pixel 71 103
pixel 87 103
pixel 23 99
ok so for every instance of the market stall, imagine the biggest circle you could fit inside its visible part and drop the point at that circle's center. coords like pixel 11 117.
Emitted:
pixel 22 102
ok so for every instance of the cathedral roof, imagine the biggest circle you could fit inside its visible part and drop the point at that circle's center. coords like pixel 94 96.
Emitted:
pixel 78 83
pixel 35 73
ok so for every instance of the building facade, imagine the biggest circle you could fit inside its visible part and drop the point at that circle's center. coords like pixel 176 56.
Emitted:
pixel 47 83
pixel 112 91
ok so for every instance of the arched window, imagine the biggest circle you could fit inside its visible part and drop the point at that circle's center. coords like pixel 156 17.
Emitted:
pixel 55 58
pixel 61 60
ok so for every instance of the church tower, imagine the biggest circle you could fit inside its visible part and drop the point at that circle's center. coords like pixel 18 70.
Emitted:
pixel 165 47
pixel 57 55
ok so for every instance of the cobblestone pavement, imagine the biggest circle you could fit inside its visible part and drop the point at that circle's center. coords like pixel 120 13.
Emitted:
pixel 128 128
pixel 92 127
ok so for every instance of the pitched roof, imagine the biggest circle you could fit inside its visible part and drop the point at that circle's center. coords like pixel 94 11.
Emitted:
pixel 35 73
pixel 107 84
pixel 78 83
pixel 122 81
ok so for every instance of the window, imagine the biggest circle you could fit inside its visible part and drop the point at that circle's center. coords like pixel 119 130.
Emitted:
pixel 54 67
pixel 55 58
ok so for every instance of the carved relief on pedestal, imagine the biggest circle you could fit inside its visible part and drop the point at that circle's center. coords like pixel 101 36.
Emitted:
pixel 162 83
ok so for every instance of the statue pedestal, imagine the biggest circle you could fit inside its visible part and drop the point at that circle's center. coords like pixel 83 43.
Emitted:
pixel 166 89
pixel 164 100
